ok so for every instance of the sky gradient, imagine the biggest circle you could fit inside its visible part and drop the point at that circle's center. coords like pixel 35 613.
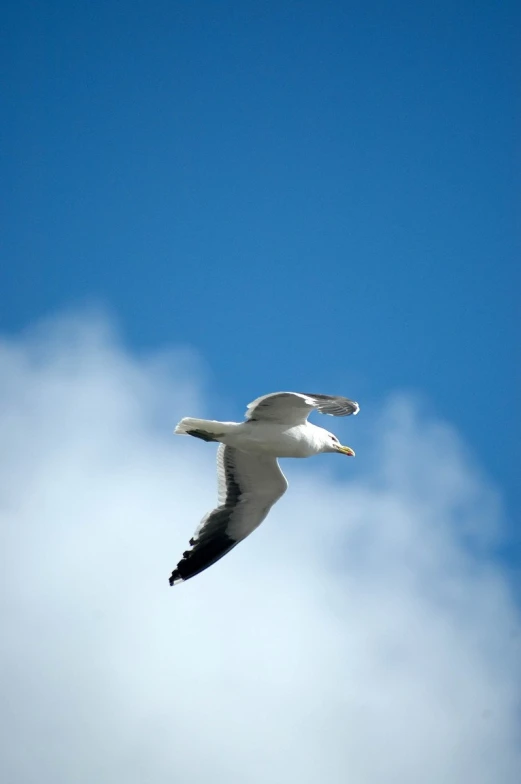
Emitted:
pixel 313 196
pixel 259 196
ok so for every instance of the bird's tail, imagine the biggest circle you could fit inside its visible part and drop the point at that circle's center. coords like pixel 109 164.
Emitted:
pixel 206 429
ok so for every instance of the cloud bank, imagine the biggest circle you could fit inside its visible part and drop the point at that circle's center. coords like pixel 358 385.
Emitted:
pixel 363 634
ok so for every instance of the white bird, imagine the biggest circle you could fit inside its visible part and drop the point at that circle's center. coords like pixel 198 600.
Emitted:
pixel 249 477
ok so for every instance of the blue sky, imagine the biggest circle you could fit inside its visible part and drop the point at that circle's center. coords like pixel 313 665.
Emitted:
pixel 314 196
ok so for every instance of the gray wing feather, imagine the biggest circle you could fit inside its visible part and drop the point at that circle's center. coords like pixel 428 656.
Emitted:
pixel 249 485
pixel 293 408
pixel 334 405
pixel 260 483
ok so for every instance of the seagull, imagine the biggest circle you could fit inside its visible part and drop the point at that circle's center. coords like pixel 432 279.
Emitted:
pixel 249 477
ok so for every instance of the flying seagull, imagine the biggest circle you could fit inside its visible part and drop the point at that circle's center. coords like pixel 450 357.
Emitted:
pixel 249 477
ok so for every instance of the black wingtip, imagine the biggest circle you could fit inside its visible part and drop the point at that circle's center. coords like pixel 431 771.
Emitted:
pixel 174 577
pixel 201 557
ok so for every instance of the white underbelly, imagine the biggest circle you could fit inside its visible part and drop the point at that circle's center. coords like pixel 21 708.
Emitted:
pixel 269 439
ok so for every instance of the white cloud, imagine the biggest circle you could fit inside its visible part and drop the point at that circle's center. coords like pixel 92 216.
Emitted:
pixel 362 634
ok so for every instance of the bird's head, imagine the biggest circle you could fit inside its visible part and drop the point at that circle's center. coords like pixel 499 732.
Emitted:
pixel 332 444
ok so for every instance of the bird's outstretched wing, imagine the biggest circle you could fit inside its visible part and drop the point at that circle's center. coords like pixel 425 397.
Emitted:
pixel 293 408
pixel 249 485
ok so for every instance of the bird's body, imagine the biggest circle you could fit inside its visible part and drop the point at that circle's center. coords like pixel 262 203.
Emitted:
pixel 268 438
pixel 250 479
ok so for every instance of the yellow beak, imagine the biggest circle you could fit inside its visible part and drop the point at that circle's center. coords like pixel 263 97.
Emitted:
pixel 346 450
